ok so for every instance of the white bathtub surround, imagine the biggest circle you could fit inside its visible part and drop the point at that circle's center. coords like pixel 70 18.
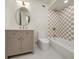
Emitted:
pixel 64 47
pixel 39 54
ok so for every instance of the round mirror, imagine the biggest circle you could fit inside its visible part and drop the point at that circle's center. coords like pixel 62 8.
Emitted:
pixel 22 16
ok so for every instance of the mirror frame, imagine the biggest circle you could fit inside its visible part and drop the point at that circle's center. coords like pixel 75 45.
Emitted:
pixel 19 11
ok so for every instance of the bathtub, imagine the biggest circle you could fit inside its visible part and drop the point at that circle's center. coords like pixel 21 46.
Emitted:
pixel 63 47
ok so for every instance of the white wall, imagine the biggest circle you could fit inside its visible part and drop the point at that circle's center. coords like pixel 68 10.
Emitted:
pixel 39 16
pixel 10 8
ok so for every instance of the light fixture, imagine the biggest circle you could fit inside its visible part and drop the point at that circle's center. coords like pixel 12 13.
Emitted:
pixel 66 1
pixel 23 3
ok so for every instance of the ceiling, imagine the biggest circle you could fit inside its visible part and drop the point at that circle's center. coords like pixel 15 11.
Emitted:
pixel 58 4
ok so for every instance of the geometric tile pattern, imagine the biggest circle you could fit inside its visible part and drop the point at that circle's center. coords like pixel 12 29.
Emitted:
pixel 61 23
pixel 53 25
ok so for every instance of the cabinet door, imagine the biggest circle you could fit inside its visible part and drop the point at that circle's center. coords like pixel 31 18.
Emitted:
pixel 13 43
pixel 27 41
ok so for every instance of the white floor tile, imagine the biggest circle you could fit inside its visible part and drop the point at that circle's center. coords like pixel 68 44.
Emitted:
pixel 40 54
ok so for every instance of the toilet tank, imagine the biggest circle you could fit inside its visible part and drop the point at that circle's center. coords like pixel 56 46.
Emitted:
pixel 42 34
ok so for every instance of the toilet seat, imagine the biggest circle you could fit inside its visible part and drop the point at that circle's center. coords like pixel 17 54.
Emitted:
pixel 44 40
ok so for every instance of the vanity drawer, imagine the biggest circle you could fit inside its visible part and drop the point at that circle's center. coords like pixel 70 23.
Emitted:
pixel 11 34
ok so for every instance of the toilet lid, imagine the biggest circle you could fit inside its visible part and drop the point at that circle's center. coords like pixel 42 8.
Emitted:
pixel 44 40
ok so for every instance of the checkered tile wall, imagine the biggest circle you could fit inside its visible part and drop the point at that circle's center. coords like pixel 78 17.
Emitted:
pixel 61 23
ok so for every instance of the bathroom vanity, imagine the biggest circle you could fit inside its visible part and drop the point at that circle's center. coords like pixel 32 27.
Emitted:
pixel 19 41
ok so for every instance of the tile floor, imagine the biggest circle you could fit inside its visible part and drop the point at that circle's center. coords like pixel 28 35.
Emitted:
pixel 40 54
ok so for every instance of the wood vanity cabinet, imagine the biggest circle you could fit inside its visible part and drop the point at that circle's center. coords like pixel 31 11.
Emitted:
pixel 19 41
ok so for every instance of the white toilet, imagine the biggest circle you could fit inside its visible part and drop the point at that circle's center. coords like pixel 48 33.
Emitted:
pixel 43 43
